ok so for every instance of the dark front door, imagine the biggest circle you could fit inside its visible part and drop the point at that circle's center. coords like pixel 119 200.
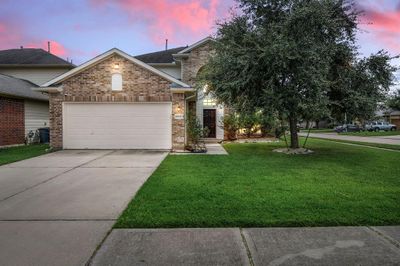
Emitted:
pixel 209 121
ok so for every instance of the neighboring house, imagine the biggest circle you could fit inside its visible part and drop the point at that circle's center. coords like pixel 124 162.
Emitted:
pixel 21 110
pixel 35 65
pixel 393 117
pixel 116 101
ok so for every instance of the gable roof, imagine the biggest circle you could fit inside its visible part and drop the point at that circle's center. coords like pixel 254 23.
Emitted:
pixel 19 88
pixel 31 57
pixel 160 57
pixel 195 45
pixel 106 55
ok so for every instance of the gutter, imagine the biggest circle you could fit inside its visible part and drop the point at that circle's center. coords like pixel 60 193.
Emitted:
pixel 173 64
pixel 182 90
pixel 180 55
pixel 47 89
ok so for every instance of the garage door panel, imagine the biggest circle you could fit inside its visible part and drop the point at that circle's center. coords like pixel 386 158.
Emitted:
pixel 117 126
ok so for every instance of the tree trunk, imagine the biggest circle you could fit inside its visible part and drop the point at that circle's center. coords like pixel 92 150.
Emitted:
pixel 294 138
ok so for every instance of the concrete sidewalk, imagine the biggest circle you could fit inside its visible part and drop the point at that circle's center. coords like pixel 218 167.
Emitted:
pixel 379 140
pixel 252 246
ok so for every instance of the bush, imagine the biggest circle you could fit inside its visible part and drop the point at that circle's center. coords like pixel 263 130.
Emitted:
pixel 195 133
pixel 266 123
pixel 249 122
pixel 230 123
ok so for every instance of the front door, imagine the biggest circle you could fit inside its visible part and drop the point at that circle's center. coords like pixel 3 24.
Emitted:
pixel 209 121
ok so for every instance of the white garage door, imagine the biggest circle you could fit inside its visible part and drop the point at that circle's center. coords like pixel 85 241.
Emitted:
pixel 117 126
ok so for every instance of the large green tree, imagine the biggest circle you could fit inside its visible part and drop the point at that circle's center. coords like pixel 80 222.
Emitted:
pixel 358 86
pixel 278 54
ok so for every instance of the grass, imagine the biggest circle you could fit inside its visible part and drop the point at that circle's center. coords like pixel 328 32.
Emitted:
pixel 322 130
pixel 372 133
pixel 14 154
pixel 255 187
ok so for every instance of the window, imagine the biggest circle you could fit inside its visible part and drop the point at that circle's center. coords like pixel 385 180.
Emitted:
pixel 116 82
pixel 209 102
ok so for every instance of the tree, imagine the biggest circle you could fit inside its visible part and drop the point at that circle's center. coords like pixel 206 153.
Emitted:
pixel 358 85
pixel 394 100
pixel 278 55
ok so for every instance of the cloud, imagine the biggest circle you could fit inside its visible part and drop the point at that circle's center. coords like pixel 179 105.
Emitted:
pixel 384 20
pixel 9 35
pixel 12 36
pixel 384 25
pixel 56 48
pixel 177 20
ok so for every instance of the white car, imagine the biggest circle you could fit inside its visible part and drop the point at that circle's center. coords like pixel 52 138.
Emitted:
pixel 377 126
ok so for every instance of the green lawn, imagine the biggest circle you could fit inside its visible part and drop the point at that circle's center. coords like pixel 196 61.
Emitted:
pixel 322 130
pixel 372 134
pixel 253 186
pixel 13 154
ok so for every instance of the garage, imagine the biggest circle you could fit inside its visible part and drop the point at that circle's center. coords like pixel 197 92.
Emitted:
pixel 117 125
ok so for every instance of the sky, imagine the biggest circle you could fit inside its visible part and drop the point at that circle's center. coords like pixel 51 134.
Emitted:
pixel 82 29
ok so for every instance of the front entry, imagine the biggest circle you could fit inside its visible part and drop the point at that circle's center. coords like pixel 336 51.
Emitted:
pixel 209 121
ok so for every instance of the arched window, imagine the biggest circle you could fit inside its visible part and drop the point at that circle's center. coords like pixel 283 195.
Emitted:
pixel 116 82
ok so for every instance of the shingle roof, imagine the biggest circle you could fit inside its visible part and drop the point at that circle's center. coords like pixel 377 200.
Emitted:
pixel 160 57
pixel 31 56
pixel 19 88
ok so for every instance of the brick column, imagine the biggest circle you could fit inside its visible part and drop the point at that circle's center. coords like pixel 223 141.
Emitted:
pixel 178 121
pixel 55 111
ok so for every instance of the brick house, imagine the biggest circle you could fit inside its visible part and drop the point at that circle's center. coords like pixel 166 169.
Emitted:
pixel 117 101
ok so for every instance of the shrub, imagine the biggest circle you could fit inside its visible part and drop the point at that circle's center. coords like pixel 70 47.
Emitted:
pixel 195 133
pixel 230 123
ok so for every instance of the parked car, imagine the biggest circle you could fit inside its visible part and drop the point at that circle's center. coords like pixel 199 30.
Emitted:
pixel 348 128
pixel 377 126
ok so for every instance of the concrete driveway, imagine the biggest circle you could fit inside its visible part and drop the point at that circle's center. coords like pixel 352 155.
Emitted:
pixel 57 208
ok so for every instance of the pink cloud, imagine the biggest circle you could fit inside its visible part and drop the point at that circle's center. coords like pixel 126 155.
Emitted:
pixel 175 20
pixel 12 36
pixel 384 27
pixel 387 21
pixel 56 48
pixel 9 35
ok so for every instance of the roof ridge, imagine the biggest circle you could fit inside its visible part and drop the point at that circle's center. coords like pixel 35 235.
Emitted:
pixel 161 51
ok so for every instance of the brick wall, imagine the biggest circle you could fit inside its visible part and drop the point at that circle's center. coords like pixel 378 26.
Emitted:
pixel 12 122
pixel 178 124
pixel 197 59
pixel 94 85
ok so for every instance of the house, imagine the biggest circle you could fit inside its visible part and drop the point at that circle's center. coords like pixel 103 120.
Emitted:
pixel 393 117
pixel 21 110
pixel 117 101
pixel 34 65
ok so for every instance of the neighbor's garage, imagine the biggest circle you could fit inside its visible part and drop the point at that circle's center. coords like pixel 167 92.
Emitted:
pixel 117 125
